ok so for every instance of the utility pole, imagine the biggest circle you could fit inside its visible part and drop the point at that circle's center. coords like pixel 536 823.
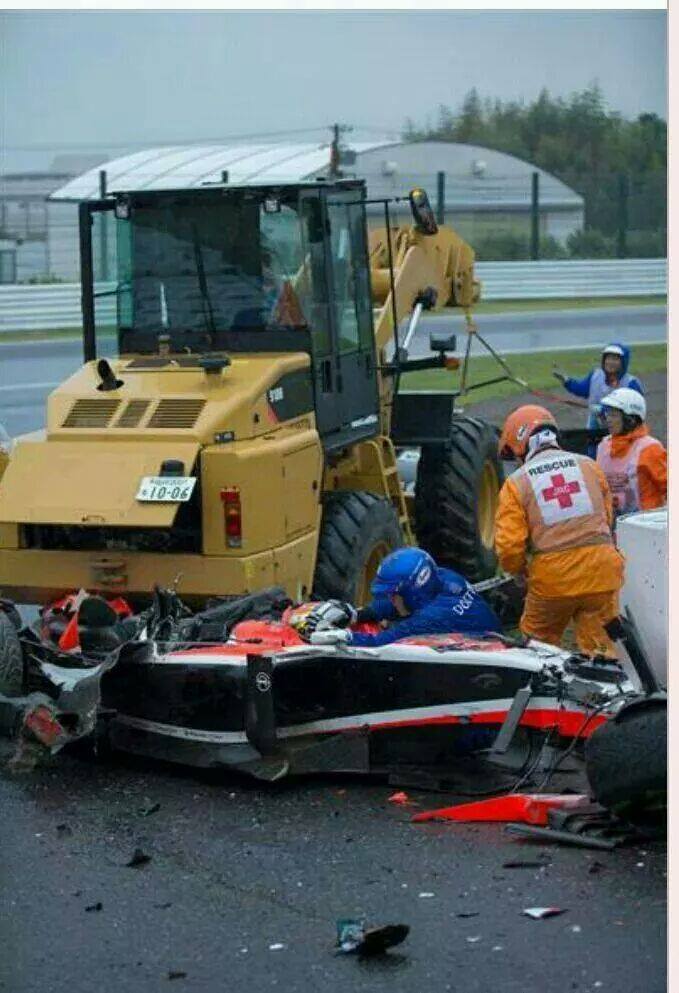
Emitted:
pixel 334 170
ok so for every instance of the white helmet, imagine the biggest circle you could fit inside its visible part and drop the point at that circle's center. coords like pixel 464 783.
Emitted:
pixel 628 401
pixel 613 350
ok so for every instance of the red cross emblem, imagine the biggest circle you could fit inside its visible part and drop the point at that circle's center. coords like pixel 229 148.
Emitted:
pixel 561 490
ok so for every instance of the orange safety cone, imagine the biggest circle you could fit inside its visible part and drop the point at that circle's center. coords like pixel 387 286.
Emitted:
pixel 525 808
pixel 70 637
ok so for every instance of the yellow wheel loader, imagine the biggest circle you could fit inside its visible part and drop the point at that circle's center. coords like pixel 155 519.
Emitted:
pixel 238 427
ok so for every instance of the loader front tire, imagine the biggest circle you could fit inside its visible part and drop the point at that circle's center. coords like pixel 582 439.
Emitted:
pixel 357 531
pixel 456 495
pixel 11 658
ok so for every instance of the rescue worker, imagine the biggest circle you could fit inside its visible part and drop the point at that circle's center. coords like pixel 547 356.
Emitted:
pixel 413 596
pixel 634 463
pixel 553 525
pixel 599 382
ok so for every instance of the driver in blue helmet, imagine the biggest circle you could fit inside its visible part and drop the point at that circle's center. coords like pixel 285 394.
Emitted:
pixel 413 596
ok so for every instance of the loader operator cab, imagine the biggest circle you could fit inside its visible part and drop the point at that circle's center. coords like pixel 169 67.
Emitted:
pixel 226 269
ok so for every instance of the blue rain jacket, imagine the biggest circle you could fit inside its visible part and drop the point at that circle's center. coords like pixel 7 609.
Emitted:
pixel 594 387
pixel 454 607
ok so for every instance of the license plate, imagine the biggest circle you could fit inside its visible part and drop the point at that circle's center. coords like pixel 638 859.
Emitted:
pixel 165 489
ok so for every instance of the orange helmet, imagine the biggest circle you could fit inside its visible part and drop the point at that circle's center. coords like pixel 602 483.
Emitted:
pixel 518 428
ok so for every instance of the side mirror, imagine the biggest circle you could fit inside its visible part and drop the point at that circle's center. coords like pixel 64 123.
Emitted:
pixel 423 215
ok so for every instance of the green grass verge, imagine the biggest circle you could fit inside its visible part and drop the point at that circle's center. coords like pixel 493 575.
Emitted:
pixel 580 303
pixel 534 368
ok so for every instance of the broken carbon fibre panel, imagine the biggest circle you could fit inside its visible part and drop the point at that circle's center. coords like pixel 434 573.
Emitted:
pixel 64 710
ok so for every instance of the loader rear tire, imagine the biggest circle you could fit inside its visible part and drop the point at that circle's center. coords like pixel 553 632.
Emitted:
pixel 456 494
pixel 357 531
pixel 11 658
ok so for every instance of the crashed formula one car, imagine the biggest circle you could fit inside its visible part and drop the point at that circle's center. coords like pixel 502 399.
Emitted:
pixel 256 699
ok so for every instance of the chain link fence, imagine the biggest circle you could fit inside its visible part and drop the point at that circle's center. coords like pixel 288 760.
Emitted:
pixel 527 215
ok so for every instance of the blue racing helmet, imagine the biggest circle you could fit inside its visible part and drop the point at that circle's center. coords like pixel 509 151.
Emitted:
pixel 409 572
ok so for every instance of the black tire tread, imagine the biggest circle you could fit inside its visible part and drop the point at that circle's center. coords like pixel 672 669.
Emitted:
pixel 446 496
pixel 626 761
pixel 11 658
pixel 352 520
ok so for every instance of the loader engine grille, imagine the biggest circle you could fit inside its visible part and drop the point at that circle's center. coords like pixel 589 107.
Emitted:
pixel 184 535
pixel 74 538
pixel 132 414
pixel 90 413
pixel 176 413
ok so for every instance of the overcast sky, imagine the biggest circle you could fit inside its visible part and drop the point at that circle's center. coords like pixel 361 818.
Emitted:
pixel 79 81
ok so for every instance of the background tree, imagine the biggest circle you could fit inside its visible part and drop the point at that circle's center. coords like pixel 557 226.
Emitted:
pixel 580 142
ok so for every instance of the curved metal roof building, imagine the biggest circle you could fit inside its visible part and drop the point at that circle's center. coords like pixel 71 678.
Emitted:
pixel 477 179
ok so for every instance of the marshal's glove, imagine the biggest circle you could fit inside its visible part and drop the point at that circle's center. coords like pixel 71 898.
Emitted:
pixel 324 616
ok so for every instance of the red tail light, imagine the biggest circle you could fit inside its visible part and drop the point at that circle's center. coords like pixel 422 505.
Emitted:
pixel 233 524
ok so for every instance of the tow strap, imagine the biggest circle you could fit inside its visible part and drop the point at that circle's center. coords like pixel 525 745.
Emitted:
pixel 557 399
pixel 471 330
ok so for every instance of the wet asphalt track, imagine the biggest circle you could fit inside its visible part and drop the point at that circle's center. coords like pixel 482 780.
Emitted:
pixel 237 868
pixel 30 370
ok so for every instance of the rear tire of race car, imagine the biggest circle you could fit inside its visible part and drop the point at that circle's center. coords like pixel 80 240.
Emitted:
pixel 11 658
pixel 357 531
pixel 626 764
pixel 456 495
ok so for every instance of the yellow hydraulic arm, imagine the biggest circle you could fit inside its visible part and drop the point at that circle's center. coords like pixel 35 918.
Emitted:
pixel 442 261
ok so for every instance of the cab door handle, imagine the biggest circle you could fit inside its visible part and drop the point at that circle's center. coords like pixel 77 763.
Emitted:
pixel 325 370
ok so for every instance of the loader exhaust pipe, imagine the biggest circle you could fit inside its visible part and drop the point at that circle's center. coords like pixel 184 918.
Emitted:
pixel 109 380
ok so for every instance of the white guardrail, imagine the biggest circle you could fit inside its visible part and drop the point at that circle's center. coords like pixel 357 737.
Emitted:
pixel 576 278
pixel 45 308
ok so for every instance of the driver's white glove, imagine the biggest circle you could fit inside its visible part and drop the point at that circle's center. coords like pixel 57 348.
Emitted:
pixel 330 614
pixel 330 636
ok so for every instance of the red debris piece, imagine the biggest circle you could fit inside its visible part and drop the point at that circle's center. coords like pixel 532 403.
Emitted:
pixel 399 797
pixel 44 726
pixel 524 808
pixel 70 638
pixel 121 606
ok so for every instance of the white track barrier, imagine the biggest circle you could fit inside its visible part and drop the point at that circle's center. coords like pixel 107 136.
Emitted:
pixel 642 538
pixel 48 307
